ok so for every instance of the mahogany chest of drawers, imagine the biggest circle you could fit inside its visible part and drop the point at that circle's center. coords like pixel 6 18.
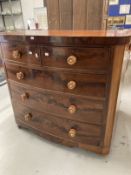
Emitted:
pixel 64 84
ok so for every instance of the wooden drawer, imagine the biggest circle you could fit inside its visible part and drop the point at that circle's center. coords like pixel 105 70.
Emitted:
pixel 77 58
pixel 64 81
pixel 28 54
pixel 63 105
pixel 63 128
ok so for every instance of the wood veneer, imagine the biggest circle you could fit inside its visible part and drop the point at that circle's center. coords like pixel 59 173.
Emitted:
pixel 38 74
pixel 87 109
pixel 60 127
pixel 86 84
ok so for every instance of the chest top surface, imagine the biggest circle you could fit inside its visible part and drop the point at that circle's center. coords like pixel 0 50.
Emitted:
pixel 68 37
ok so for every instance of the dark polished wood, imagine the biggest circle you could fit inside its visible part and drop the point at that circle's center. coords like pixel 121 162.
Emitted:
pixel 82 41
pixel 86 84
pixel 64 84
pixel 28 54
pixel 86 58
pixel 69 37
pixel 87 110
pixel 71 33
pixel 86 134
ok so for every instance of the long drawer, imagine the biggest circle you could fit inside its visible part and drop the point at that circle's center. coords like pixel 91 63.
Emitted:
pixel 76 58
pixel 63 128
pixel 64 81
pixel 60 104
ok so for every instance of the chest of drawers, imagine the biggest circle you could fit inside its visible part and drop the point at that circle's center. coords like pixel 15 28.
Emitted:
pixel 64 84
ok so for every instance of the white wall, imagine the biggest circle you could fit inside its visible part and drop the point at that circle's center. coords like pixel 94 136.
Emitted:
pixel 27 8
pixel 39 14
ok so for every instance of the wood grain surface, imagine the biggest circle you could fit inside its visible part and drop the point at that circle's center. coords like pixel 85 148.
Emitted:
pixel 86 84
pixel 114 89
pixel 86 58
pixel 40 94
pixel 65 13
pixel 27 53
pixel 87 110
pixel 79 14
pixel 53 14
pixel 94 14
pixel 86 134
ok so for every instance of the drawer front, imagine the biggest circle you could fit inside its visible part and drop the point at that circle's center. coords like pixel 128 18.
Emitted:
pixel 76 58
pixel 62 105
pixel 81 84
pixel 63 128
pixel 28 54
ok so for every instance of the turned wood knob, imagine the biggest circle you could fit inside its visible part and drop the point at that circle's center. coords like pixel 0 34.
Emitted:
pixel 16 54
pixel 71 85
pixel 28 117
pixel 20 75
pixel 71 60
pixel 72 109
pixel 24 96
pixel 72 133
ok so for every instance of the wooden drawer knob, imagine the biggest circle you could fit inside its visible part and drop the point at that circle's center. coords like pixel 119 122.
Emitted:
pixel 24 96
pixel 72 109
pixel 71 85
pixel 28 117
pixel 20 75
pixel 72 133
pixel 16 54
pixel 71 60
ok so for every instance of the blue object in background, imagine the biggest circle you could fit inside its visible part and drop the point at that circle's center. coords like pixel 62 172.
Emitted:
pixel 115 9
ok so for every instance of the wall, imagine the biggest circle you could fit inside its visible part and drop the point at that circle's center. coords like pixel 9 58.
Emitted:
pixel 27 8
pixel 39 14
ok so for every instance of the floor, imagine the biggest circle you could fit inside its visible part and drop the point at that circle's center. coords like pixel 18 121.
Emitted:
pixel 2 76
pixel 23 153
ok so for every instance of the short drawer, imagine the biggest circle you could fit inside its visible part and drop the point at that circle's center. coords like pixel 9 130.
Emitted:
pixel 63 128
pixel 60 104
pixel 77 58
pixel 64 81
pixel 28 54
